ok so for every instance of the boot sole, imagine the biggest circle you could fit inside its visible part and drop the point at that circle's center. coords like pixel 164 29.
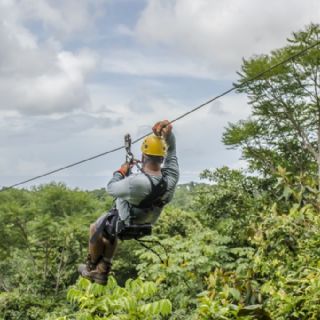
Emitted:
pixel 91 277
pixel 98 281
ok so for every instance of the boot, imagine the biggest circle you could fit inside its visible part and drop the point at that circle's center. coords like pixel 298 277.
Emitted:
pixel 96 272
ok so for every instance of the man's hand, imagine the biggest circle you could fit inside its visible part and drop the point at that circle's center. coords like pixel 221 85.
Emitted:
pixel 162 128
pixel 125 168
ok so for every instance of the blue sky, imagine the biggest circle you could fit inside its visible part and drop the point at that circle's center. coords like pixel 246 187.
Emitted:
pixel 75 76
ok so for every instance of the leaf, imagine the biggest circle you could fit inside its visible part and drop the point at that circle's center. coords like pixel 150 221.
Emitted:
pixel 83 283
pixel 235 293
pixel 254 310
pixel 165 307
pixel 287 192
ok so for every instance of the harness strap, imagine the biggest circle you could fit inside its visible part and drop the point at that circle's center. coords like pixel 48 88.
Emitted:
pixel 154 197
pixel 151 182
pixel 142 243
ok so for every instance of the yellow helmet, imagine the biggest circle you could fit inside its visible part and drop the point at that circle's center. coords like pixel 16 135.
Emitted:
pixel 154 146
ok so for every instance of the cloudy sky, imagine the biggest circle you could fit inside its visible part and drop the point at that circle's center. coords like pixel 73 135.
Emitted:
pixel 76 75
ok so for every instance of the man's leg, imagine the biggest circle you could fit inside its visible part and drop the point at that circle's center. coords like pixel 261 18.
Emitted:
pixel 105 262
pixel 101 252
pixel 96 248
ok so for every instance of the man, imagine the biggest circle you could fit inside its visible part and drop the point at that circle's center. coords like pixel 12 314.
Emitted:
pixel 140 199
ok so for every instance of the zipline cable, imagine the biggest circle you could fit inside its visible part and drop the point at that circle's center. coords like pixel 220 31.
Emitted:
pixel 233 88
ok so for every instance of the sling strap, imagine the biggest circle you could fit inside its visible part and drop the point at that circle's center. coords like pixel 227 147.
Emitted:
pixel 154 198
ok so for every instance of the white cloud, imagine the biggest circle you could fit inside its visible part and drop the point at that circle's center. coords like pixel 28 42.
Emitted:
pixel 60 102
pixel 20 129
pixel 64 18
pixel 139 63
pixel 66 139
pixel 124 30
pixel 222 32
pixel 61 89
pixel 32 167
pixel 39 77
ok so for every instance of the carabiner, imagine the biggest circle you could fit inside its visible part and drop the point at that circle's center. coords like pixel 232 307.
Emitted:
pixel 127 145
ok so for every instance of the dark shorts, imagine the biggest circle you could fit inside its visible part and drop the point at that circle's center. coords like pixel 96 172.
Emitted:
pixel 110 226
pixel 103 219
pixel 107 225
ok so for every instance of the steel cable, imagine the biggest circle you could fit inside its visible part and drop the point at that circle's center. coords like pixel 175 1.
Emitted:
pixel 233 88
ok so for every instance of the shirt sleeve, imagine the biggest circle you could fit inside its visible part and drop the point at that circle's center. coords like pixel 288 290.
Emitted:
pixel 132 189
pixel 171 167
pixel 119 187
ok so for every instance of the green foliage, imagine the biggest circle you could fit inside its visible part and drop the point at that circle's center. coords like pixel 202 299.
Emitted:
pixel 230 296
pixel 284 127
pixel 17 307
pixel 241 247
pixel 124 266
pixel 175 221
pixel 135 301
pixel 281 280
pixel 231 202
pixel 250 250
pixel 287 256
pixel 188 257
pixel 51 230
pixel 43 237
pixel 183 197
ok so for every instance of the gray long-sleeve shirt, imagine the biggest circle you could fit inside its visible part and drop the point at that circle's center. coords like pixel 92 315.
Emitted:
pixel 135 188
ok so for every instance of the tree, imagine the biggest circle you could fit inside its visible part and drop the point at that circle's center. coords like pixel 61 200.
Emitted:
pixel 43 236
pixel 133 302
pixel 231 201
pixel 284 128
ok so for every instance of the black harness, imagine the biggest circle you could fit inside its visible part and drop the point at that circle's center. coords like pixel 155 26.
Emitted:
pixel 112 227
pixel 154 198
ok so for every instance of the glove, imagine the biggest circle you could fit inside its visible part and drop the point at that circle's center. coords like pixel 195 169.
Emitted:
pixel 125 169
pixel 162 128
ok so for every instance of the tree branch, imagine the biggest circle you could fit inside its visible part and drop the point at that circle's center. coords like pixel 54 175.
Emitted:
pixel 25 236
pixel 294 122
pixel 59 271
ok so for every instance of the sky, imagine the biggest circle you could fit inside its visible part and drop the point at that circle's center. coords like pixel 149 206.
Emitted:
pixel 77 75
